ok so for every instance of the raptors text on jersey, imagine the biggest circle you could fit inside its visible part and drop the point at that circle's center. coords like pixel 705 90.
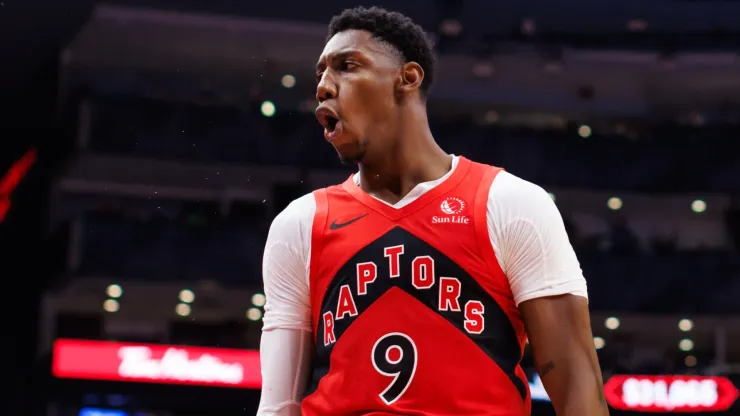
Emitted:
pixel 411 313
pixel 422 278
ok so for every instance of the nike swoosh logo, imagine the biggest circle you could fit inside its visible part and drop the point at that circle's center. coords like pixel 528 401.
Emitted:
pixel 335 226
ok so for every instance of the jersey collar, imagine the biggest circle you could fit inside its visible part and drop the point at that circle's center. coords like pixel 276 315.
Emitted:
pixel 393 213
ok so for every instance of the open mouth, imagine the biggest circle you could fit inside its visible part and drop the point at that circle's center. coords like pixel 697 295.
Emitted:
pixel 330 123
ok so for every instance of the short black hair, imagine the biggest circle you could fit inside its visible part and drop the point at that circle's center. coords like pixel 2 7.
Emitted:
pixel 393 28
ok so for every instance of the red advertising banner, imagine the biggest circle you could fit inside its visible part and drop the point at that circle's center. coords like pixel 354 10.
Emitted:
pixel 153 363
pixel 670 394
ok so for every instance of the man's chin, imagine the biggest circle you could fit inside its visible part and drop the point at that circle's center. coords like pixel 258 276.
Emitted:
pixel 350 160
pixel 349 153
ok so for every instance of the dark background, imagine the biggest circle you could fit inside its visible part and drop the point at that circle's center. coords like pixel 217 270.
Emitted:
pixel 32 34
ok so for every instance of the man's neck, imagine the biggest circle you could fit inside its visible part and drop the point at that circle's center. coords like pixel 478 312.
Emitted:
pixel 416 158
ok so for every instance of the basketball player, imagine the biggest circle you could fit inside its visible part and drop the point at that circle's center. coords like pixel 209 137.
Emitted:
pixel 411 288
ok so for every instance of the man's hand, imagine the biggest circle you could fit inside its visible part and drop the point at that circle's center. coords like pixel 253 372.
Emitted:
pixel 559 331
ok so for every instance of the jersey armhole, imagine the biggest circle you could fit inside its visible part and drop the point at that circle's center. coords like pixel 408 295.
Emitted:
pixel 317 234
pixel 480 215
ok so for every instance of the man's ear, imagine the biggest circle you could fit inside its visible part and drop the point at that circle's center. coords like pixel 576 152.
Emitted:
pixel 410 78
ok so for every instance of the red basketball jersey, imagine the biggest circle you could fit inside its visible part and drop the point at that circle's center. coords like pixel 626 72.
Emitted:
pixel 412 314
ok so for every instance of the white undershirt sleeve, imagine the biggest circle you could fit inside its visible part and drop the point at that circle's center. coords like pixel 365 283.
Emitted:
pixel 530 241
pixel 286 346
pixel 285 355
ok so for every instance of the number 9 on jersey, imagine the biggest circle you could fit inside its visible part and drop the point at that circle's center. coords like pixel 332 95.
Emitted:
pixel 394 355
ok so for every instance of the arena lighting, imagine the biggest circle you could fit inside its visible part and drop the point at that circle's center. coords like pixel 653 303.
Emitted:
pixel 584 131
pixel 186 296
pixel 612 323
pixel 89 411
pixel 288 81
pixel 258 300
pixel 12 178
pixel 670 394
pixel 111 305
pixel 154 363
pixel 698 206
pixel 690 361
pixel 268 109
pixel 254 314
pixel 183 309
pixel 686 345
pixel 685 325
pixel 599 343
pixel 614 203
pixel 114 291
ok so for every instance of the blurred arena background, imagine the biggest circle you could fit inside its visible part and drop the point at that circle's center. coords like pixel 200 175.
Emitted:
pixel 147 144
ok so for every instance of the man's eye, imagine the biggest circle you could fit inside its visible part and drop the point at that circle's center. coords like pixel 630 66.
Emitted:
pixel 346 66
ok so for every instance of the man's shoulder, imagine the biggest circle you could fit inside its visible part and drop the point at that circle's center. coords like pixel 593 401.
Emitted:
pixel 514 199
pixel 509 188
pixel 298 213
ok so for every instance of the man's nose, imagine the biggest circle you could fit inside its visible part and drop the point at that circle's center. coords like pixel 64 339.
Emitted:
pixel 326 89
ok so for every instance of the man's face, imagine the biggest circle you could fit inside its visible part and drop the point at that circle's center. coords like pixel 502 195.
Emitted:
pixel 357 78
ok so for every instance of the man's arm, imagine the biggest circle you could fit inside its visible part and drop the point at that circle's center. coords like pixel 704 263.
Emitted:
pixel 559 331
pixel 285 356
pixel 286 345
pixel 546 280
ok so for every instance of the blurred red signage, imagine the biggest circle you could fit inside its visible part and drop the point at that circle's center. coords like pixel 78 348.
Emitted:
pixel 664 394
pixel 12 178
pixel 154 363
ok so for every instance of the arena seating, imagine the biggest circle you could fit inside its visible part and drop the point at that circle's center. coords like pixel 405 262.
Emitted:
pixel 662 159
pixel 154 244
